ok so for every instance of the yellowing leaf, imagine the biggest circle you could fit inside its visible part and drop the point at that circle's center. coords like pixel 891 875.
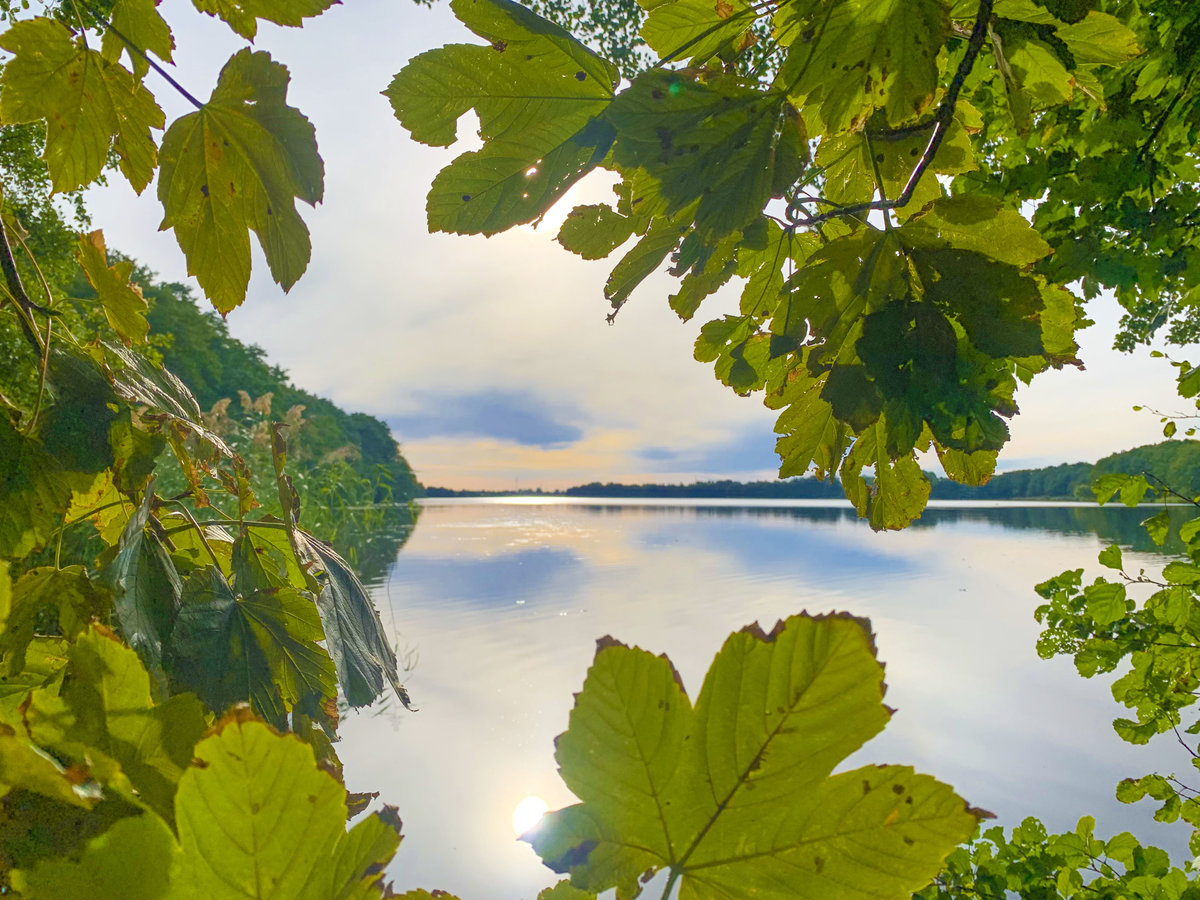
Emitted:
pixel 123 303
pixel 243 15
pixel 91 106
pixel 735 795
pixel 235 166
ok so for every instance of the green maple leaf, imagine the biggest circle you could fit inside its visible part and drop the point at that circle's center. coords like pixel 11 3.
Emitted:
pixel 92 106
pixel 538 93
pixel 122 302
pixel 735 796
pixel 861 55
pixel 243 15
pixel 238 165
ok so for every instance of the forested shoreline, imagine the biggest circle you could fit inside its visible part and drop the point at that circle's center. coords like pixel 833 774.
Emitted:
pixel 1175 462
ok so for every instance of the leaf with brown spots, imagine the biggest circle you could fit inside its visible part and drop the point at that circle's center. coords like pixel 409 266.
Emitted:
pixel 734 796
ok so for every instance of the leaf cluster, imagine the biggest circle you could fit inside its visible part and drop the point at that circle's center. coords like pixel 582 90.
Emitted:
pixel 893 295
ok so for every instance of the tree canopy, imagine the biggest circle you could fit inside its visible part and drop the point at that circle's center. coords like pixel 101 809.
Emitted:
pixel 917 198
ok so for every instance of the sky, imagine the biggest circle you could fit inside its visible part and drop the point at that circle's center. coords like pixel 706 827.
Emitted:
pixel 490 358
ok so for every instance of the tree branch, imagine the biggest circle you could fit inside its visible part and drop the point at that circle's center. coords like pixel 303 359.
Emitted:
pixel 16 289
pixel 940 124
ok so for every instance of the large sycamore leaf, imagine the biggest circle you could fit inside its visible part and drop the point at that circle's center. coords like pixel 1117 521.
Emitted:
pixel 250 643
pixel 238 165
pixel 258 819
pixel 68 592
pixel 92 106
pixel 243 15
pixel 537 92
pixel 735 795
pixel 854 56
pixel 122 302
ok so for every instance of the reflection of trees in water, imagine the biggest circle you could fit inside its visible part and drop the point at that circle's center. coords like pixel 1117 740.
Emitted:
pixel 1116 524
pixel 370 543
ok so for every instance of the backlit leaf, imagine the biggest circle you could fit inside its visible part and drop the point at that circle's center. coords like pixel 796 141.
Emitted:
pixel 123 303
pixel 140 22
pixel 91 106
pixel 235 166
pixel 242 15
pixel 735 795
pixel 712 140
pixel 258 819
pixel 130 861
pixel 861 55
pixel 537 92
pixel 1101 39
pixel 595 231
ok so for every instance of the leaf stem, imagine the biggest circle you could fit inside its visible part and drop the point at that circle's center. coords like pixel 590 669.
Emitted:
pixel 37 406
pixel 887 217
pixel 192 523
pixel 670 884
pixel 135 49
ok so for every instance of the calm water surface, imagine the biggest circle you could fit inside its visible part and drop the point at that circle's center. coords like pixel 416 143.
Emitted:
pixel 499 604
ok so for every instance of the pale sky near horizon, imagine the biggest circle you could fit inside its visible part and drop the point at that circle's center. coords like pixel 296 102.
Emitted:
pixel 489 357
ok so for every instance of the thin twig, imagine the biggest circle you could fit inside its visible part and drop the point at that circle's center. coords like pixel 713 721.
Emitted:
pixel 135 49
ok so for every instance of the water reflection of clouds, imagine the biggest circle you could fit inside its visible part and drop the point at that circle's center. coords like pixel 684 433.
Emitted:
pixel 952 608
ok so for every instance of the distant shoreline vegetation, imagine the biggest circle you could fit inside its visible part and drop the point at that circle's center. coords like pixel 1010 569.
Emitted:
pixel 1176 463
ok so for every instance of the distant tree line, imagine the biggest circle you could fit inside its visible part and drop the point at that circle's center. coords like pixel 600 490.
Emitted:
pixel 1175 463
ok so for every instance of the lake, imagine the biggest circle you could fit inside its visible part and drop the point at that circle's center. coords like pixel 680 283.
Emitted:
pixel 496 604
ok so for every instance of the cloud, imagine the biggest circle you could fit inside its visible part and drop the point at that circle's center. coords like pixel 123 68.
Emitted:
pixel 750 450
pixel 504 415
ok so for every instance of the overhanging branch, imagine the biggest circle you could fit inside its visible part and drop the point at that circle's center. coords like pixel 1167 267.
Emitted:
pixel 940 124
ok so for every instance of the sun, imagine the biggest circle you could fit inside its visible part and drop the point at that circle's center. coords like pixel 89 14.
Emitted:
pixel 527 814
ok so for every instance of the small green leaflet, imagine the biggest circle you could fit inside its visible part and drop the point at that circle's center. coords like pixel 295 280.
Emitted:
pixel 538 93
pixel 140 22
pixel 123 303
pixel 92 106
pixel 243 15
pixel 735 795
pixel 235 166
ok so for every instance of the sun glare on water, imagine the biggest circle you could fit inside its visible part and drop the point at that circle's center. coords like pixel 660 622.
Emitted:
pixel 527 814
